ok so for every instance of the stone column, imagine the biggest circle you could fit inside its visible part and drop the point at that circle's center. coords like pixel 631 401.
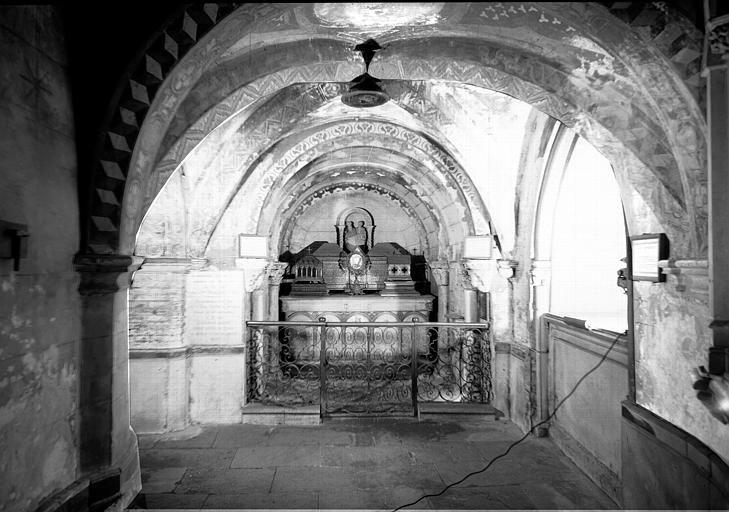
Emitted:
pixel 502 297
pixel 254 271
pixel 716 71
pixel 274 273
pixel 106 436
pixel 471 367
pixel 470 295
pixel 158 373
pixel 541 274
pixel 440 272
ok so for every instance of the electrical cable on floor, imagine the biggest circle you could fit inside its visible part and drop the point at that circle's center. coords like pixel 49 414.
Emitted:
pixel 518 441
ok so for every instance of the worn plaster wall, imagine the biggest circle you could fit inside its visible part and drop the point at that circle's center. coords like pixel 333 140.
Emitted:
pixel 39 303
pixel 672 337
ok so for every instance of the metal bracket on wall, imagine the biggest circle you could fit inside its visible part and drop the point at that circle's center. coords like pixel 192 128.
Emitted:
pixel 13 243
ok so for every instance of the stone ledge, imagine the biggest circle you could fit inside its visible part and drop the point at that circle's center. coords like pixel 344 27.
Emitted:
pixel 687 275
pixel 97 492
pixel 173 352
pixel 260 414
pixel 458 408
pixel 699 457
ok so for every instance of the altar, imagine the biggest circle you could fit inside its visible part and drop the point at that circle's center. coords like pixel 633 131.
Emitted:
pixel 355 327
pixel 354 281
pixel 387 342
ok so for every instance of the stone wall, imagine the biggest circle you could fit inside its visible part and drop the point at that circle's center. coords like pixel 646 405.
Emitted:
pixel 672 337
pixel 187 358
pixel 39 304
pixel 587 425
pixel 391 222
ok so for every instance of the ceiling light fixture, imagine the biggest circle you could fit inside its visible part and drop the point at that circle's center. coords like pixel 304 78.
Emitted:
pixel 364 90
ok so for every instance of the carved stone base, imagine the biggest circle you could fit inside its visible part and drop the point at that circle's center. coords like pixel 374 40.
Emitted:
pixel 394 288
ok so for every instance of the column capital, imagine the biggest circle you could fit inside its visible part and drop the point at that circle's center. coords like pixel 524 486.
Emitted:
pixel 440 271
pixel 105 273
pixel 478 274
pixel 541 272
pixel 717 38
pixel 254 271
pixel 275 271
pixel 507 268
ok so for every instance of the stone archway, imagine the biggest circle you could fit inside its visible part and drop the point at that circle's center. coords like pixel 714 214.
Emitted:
pixel 547 86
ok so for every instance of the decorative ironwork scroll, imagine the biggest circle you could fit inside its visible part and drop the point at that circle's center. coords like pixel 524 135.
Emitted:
pixel 370 367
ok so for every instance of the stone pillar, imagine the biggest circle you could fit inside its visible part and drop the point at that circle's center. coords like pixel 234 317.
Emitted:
pixel 470 295
pixel 541 274
pixel 440 273
pixel 106 436
pixel 716 71
pixel 254 271
pixel 274 273
pixel 472 359
pixel 158 374
pixel 502 297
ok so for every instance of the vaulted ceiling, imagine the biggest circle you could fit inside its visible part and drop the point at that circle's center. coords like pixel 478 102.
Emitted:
pixel 250 123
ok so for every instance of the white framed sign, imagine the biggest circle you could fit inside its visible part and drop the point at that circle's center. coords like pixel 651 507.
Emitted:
pixel 477 247
pixel 647 251
pixel 252 246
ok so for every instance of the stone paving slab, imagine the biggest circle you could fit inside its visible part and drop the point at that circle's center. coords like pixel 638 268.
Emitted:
pixel 361 456
pixel 175 501
pixel 363 463
pixel 296 480
pixel 233 436
pixel 158 458
pixel 277 456
pixel 226 481
pixel 162 479
pixel 192 437
pixel 300 500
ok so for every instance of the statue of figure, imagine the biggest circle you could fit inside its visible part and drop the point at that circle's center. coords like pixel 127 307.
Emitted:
pixel 362 234
pixel 355 237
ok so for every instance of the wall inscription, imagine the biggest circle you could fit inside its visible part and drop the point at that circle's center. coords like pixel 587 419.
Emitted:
pixel 214 304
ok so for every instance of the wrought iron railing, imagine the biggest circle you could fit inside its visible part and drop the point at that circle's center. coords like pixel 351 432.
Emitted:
pixel 369 367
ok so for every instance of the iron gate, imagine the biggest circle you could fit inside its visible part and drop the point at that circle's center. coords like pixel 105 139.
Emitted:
pixel 369 367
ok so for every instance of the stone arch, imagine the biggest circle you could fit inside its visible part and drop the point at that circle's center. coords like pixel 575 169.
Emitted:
pixel 115 149
pixel 308 179
pixel 277 167
pixel 287 215
pixel 610 150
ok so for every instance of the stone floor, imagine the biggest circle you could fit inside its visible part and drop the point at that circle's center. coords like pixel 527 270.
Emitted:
pixel 360 463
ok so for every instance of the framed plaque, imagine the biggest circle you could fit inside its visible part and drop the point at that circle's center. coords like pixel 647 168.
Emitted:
pixel 646 252
pixel 252 246
pixel 477 247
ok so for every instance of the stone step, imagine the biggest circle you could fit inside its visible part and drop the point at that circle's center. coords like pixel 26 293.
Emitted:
pixel 260 414
pixel 448 408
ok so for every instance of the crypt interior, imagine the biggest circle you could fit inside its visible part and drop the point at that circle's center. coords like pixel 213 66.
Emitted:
pixel 197 198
